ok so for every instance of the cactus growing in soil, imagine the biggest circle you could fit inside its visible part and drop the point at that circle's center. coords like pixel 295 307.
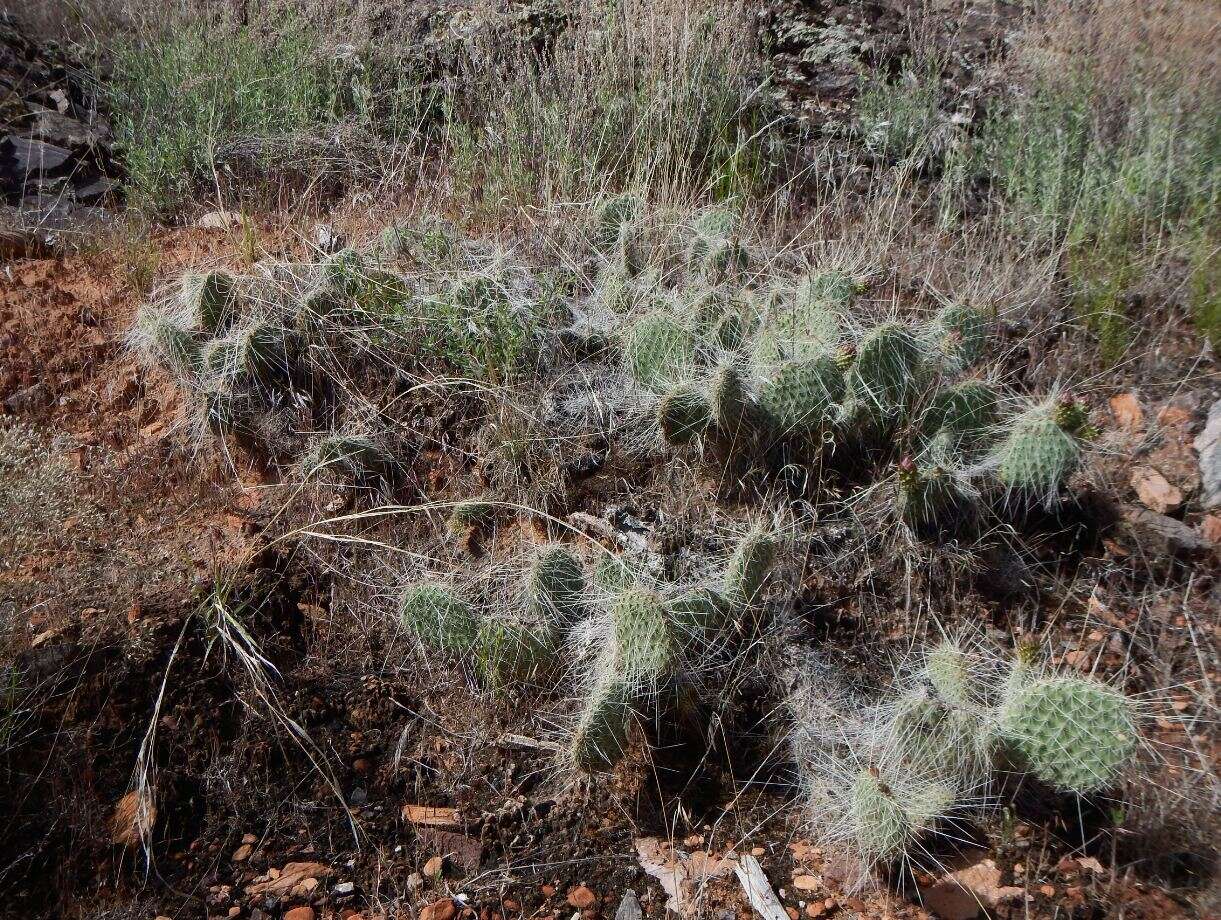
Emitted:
pixel 728 400
pixel 659 351
pixel 961 335
pixel 611 218
pixel 886 374
pixel 964 412
pixel 166 338
pixel 465 516
pixel 748 568
pixel 439 618
pixel 506 650
pixel 683 414
pixel 929 497
pixel 1042 449
pixel 600 737
pixel 803 328
pixel 1072 733
pixel 555 585
pixel 644 636
pixel 801 397
pixel 885 819
pixel 210 299
pixel 355 457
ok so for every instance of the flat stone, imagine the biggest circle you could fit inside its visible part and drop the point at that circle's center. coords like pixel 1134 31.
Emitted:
pixel 439 910
pixel 581 897
pixel 299 913
pixel 1162 536
pixel 1208 446
pixel 33 156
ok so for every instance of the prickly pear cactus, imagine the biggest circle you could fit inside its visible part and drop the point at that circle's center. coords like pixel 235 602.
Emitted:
pixel 600 737
pixel 1038 455
pixel 210 299
pixel 724 259
pixel 929 498
pixel 961 335
pixel 801 397
pixel 467 515
pixel 682 415
pixel 700 613
pixel 644 636
pixel 345 271
pixel 170 342
pixel 794 329
pixel 886 820
pixel 1072 733
pixel 833 288
pixel 728 399
pixel 964 412
pixel 555 585
pixel 355 457
pixel 659 352
pixel 614 574
pixel 612 217
pixel 948 671
pixel 439 618
pixel 506 650
pixel 748 568
pixel 886 375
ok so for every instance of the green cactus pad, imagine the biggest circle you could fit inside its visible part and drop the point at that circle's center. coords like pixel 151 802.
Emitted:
pixel 555 585
pixel 829 288
pixel 210 299
pixel 748 568
pixel 171 343
pixel 961 333
pixel 887 372
pixel 600 737
pixel 465 515
pixel 881 826
pixel 724 259
pixel 796 329
pixel 1037 456
pixel 612 217
pixel 614 574
pixel 683 414
pixel 644 636
pixel 930 499
pixel 345 271
pixel 699 612
pixel 659 352
pixel 354 457
pixel 1075 734
pixel 507 650
pixel 727 399
pixel 965 412
pixel 439 618
pixel 801 397
pixel 948 670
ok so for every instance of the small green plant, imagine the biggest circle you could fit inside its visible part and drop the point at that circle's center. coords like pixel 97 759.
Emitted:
pixel 211 300
pixel 439 618
pixel 888 372
pixel 1042 449
pixel 466 516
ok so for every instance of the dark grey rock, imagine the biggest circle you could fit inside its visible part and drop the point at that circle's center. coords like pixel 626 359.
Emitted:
pixel 31 156
pixel 1160 536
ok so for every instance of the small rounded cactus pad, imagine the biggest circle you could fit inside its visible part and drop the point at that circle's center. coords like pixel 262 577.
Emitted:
pixel 439 618
pixel 659 351
pixel 885 817
pixel 355 457
pixel 748 568
pixel 1037 456
pixel 948 670
pixel 727 398
pixel 644 636
pixel 613 574
pixel 1072 733
pixel 888 369
pixel 555 585
pixel 611 217
pixel 210 299
pixel 801 396
pixel 961 332
pixel 797 328
pixel 699 612
pixel 466 515
pixel 169 341
pixel 345 271
pixel 930 497
pixel 508 650
pixel 683 414
pixel 598 742
pixel 829 287
pixel 965 411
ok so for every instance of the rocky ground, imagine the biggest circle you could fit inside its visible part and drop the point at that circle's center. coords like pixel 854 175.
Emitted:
pixel 430 801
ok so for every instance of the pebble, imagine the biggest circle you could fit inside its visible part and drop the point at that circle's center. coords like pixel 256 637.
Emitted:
pixel 439 910
pixel 581 897
pixel 434 867
pixel 299 913
pixel 242 853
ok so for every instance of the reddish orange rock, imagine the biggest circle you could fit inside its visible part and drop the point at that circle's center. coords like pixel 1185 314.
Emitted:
pixel 439 910
pixel 300 913
pixel 581 897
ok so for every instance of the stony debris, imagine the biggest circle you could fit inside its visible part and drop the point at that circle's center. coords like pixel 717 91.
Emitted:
pixel 1208 446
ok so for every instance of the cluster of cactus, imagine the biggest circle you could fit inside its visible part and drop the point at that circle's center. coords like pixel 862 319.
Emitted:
pixel 958 721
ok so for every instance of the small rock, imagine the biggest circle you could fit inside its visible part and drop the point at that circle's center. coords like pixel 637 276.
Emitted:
pixel 1210 529
pixel 439 910
pixel 1162 536
pixel 299 913
pixel 219 220
pixel 33 156
pixel 965 894
pixel 435 867
pixel 548 891
pixel 344 890
pixel 242 853
pixel 1208 446
pixel 1155 491
pixel 629 907
pixel 792 912
pixel 806 883
pixel 581 897
pixel 415 881
pixel 1126 409
pixel 249 838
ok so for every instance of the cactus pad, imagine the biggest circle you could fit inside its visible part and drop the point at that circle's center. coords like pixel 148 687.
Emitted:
pixel 1072 733
pixel 644 637
pixel 748 568
pixel 611 218
pixel 727 399
pixel 886 374
pixel 683 414
pixel 792 330
pixel 555 585
pixel 508 650
pixel 598 742
pixel 961 334
pixel 885 820
pixel 357 458
pixel 1037 456
pixel 171 343
pixel 439 618
pixel 466 515
pixel 801 397
pixel 210 299
pixel 965 412
pixel 659 351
